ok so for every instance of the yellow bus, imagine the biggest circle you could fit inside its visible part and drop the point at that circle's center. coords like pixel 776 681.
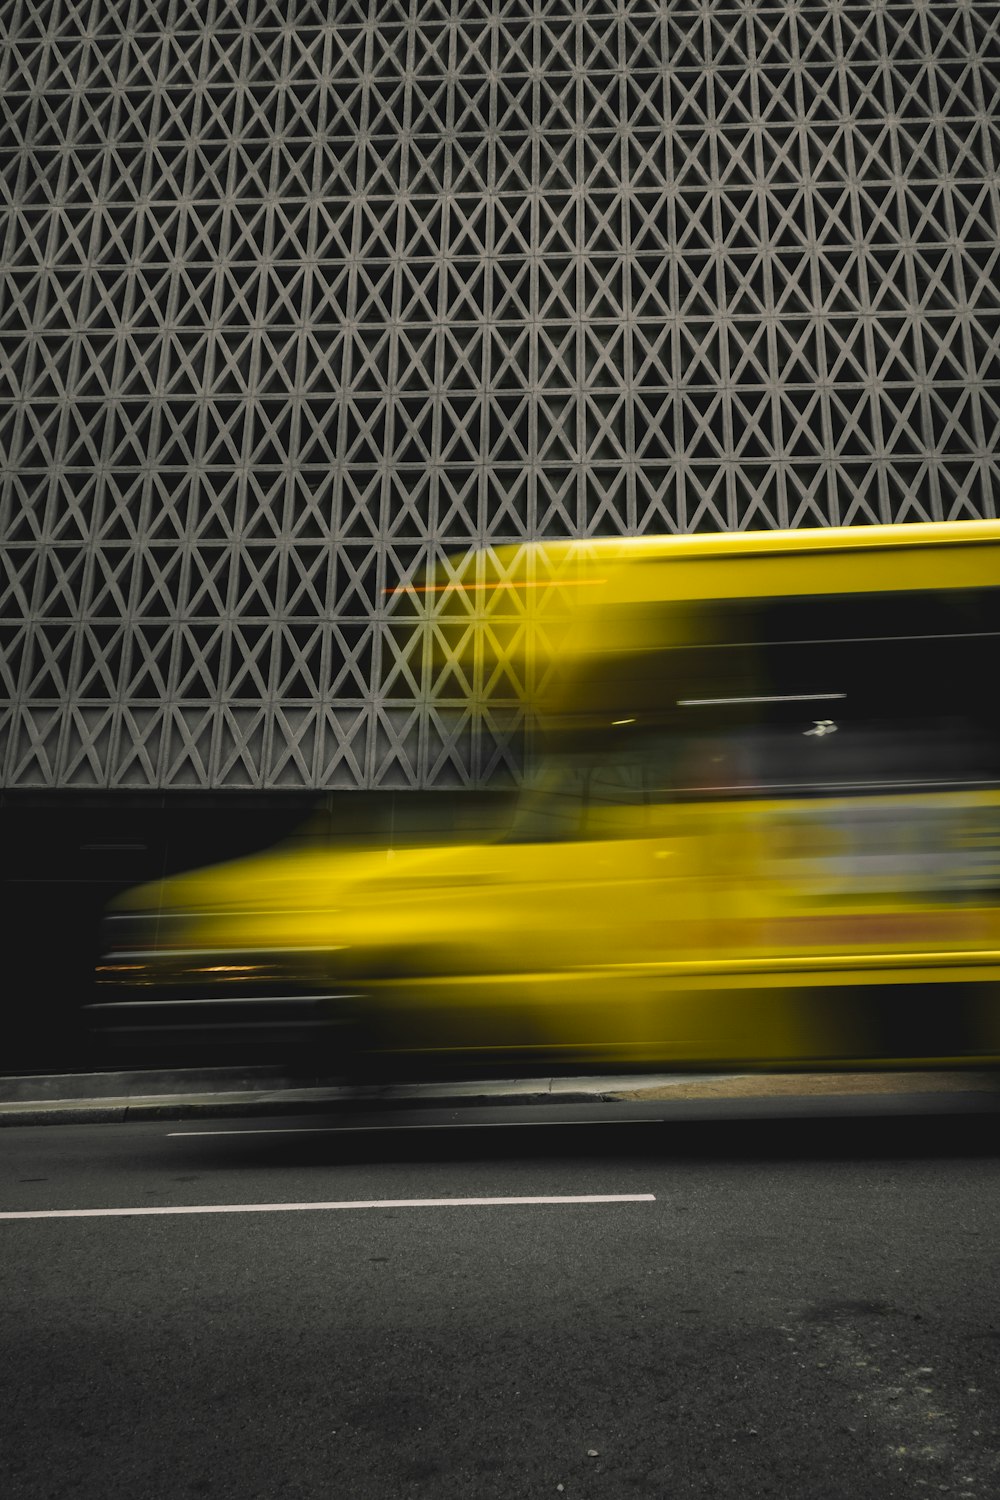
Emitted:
pixel 762 831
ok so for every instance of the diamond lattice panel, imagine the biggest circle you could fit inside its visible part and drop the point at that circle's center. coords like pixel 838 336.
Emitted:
pixel 300 296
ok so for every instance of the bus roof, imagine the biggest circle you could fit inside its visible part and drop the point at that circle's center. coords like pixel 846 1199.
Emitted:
pixel 762 543
pixel 528 564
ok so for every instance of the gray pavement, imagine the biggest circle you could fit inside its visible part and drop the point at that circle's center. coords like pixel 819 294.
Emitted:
pixel 588 1307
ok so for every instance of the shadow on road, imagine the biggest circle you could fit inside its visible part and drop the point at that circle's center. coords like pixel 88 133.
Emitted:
pixel 710 1132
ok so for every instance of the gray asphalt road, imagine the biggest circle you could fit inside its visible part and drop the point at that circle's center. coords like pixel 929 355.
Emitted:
pixel 804 1309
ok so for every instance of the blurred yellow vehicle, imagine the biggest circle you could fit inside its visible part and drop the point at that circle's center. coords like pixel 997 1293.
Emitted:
pixel 763 831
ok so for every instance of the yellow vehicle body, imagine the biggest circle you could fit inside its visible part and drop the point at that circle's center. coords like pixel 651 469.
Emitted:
pixel 692 878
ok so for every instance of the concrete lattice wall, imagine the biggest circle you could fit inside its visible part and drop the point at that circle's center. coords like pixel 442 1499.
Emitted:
pixel 300 295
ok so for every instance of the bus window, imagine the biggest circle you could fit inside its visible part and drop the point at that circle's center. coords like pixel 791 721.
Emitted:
pixel 850 693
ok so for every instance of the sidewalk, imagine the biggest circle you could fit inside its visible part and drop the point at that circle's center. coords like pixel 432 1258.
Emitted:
pixel 215 1093
pixel 100 1098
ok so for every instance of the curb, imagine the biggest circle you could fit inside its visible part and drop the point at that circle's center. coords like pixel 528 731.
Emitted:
pixel 932 1109
pixel 219 1107
pixel 218 1093
pixel 62 1100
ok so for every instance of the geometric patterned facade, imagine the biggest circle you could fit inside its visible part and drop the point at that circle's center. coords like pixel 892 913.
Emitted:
pixel 299 297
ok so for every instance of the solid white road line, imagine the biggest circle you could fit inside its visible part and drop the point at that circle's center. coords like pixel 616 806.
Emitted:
pixel 445 1125
pixel 283 1208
